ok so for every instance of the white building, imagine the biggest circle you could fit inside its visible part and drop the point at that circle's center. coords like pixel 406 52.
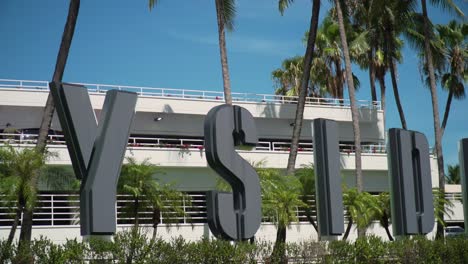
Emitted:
pixel 168 129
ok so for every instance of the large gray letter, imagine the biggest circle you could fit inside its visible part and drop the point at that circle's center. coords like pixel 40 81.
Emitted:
pixel 328 194
pixel 96 151
pixel 410 183
pixel 463 152
pixel 236 215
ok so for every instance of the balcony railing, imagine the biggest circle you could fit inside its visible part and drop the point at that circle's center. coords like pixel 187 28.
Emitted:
pixel 64 210
pixel 186 144
pixel 195 94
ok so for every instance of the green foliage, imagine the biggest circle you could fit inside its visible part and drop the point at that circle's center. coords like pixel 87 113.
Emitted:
pixel 138 181
pixel 58 178
pixel 281 197
pixel 453 173
pixel 361 207
pixel 17 167
pixel 442 206
pixel 364 250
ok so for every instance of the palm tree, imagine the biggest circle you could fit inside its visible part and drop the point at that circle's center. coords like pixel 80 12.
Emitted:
pixel 455 50
pixel 361 208
pixel 287 78
pixel 435 104
pixel 18 184
pixel 280 201
pixel 453 174
pixel 48 113
pixel 396 17
pixel 137 180
pixel 306 176
pixel 225 14
pixel 442 206
pixel 352 97
pixel 309 54
pixel 384 213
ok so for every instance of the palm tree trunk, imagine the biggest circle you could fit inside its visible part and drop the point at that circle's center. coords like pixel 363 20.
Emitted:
pixel 370 57
pixel 352 98
pixel 223 53
pixel 26 228
pixel 339 80
pixel 62 57
pixel 397 94
pixel 446 114
pixel 279 250
pixel 26 225
pixel 435 112
pixel 348 228
pixel 311 220
pixel 393 69
pixel 383 97
pixel 389 235
pixel 156 222
pixel 136 205
pixel 314 20
pixel 11 236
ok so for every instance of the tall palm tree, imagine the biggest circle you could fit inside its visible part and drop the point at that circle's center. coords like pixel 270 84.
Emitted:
pixel 309 54
pixel 225 14
pixel 396 17
pixel 352 97
pixel 435 103
pixel 48 113
pixel 455 50
pixel 383 21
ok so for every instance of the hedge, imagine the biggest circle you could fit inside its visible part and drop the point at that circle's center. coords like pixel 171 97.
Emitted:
pixel 134 247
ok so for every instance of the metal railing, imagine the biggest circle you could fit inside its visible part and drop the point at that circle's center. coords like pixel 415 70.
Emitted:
pixel 195 94
pixel 453 196
pixel 186 144
pixel 63 210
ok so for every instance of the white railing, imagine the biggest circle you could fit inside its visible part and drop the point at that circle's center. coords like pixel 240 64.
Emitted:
pixel 64 210
pixel 195 94
pixel 185 144
pixel 453 196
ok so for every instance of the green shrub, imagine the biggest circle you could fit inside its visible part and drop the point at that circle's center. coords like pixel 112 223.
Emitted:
pixel 340 252
pixel 370 249
pixel 75 252
pixel 134 247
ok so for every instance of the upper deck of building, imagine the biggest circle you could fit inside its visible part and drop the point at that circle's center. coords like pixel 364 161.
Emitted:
pixel 21 100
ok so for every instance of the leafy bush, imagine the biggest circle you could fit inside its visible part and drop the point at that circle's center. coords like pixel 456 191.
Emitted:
pixel 133 246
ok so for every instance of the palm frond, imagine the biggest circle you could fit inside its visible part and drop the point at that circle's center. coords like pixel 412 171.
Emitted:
pixel 283 5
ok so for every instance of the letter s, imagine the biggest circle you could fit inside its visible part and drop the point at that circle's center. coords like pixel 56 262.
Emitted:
pixel 236 215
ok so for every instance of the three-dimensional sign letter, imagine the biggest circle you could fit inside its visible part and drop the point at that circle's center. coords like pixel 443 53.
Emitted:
pixel 96 151
pixel 410 183
pixel 236 215
pixel 329 197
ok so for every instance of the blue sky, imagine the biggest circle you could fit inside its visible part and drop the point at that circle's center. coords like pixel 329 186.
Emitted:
pixel 175 45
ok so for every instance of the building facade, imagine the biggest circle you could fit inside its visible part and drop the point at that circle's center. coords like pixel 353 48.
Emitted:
pixel 168 130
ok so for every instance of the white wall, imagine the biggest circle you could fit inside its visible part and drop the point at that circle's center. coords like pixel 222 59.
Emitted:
pixel 370 120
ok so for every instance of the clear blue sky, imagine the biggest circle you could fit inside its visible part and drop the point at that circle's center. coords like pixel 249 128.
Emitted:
pixel 175 45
